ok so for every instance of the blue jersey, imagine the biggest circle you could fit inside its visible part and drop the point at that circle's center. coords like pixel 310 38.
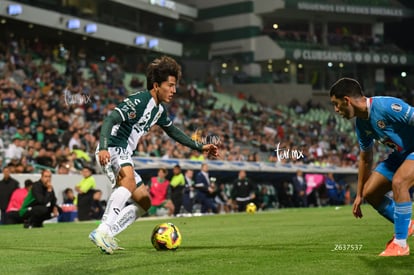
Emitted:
pixel 390 121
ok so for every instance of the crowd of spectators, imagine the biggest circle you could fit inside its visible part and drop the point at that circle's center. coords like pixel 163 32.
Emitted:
pixel 52 119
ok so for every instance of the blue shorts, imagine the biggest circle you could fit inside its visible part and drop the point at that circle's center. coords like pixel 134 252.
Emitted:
pixel 388 167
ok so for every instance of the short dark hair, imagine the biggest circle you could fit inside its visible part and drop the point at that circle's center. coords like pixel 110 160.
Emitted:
pixel 89 168
pixel 28 183
pixel 346 87
pixel 160 69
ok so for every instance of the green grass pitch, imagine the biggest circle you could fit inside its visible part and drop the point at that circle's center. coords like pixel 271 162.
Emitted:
pixel 325 240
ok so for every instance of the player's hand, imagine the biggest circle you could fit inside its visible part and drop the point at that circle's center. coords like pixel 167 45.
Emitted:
pixel 104 157
pixel 212 151
pixel 356 209
pixel 55 211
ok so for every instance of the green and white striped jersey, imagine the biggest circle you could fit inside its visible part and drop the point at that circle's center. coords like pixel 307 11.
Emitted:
pixel 139 113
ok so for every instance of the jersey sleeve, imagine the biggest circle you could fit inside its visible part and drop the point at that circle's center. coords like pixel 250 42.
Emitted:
pixel 182 138
pixel 397 111
pixel 365 142
pixel 166 124
pixel 111 120
pixel 164 120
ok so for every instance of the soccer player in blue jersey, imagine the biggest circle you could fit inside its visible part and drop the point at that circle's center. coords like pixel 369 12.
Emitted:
pixel 390 121
pixel 119 137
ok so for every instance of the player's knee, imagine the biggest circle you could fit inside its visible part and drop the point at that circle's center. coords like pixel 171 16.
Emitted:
pixel 126 178
pixel 401 182
pixel 129 183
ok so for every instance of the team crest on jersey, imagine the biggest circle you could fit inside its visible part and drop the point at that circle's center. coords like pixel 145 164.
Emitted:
pixel 381 124
pixel 396 107
pixel 132 115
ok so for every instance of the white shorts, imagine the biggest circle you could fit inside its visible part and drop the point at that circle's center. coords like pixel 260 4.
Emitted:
pixel 119 157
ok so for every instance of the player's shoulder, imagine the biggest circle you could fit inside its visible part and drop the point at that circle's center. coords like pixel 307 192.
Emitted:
pixel 389 103
pixel 383 100
pixel 141 95
pixel 137 99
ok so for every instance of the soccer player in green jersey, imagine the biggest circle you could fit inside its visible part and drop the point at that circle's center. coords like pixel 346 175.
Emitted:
pixel 119 137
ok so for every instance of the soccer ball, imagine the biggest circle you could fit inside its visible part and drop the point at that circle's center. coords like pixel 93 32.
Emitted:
pixel 251 208
pixel 166 236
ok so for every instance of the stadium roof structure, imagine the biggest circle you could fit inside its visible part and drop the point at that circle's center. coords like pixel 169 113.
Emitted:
pixel 302 40
pixel 126 22
pixel 292 40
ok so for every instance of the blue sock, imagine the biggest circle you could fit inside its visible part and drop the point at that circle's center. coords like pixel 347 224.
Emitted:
pixel 402 218
pixel 386 208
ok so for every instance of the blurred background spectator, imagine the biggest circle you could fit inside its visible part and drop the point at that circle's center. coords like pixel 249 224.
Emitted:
pixel 160 192
pixel 85 188
pixel 243 191
pixel 205 189
pixel 98 206
pixel 7 186
pixel 177 185
pixel 16 202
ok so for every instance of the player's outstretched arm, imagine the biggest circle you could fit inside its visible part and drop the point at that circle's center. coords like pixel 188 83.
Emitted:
pixel 179 136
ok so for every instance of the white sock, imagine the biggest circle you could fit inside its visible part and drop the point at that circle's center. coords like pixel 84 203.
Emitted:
pixel 402 243
pixel 126 217
pixel 115 204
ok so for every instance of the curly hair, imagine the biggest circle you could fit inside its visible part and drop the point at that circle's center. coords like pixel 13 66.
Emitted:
pixel 160 69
